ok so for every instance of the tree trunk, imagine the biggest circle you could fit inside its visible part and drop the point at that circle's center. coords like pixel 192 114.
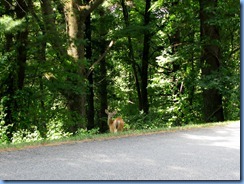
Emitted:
pixel 21 47
pixel 50 29
pixel 75 26
pixel 145 59
pixel 131 56
pixel 103 95
pixel 210 61
pixel 10 103
pixel 40 56
pixel 102 83
pixel 15 81
pixel 90 95
pixel 76 15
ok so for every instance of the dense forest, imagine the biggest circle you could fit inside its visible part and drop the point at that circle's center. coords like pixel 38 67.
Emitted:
pixel 158 63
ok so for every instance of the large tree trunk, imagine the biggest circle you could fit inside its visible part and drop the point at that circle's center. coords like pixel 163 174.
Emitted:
pixel 145 59
pixel 76 15
pixel 75 26
pixel 210 60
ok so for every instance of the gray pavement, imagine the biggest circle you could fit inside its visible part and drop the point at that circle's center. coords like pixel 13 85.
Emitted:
pixel 197 154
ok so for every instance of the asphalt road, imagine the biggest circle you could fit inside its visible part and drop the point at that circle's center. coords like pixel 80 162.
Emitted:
pixel 197 154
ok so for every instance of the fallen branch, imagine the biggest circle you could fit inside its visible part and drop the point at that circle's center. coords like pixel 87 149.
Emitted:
pixel 214 112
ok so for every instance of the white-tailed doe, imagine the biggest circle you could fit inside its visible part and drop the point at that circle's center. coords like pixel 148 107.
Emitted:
pixel 116 124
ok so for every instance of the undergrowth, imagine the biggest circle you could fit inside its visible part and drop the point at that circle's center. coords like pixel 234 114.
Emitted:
pixel 93 135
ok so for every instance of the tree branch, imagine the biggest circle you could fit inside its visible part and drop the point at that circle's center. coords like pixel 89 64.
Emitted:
pixel 94 4
pixel 214 113
pixel 99 59
pixel 87 9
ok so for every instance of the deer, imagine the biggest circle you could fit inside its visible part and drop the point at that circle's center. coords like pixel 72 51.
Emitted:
pixel 114 125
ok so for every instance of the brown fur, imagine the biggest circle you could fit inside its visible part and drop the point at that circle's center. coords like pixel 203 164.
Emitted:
pixel 114 125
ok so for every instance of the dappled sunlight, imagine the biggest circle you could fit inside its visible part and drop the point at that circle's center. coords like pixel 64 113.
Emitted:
pixel 228 138
pixel 216 141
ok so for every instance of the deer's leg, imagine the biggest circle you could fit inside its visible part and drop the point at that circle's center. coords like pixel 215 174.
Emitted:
pixel 111 129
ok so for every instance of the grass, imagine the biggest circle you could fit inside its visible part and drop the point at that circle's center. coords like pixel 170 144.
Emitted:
pixel 106 136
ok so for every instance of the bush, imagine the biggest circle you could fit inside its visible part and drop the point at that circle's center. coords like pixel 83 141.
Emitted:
pixel 150 121
pixel 56 131
pixel 86 133
pixel 24 135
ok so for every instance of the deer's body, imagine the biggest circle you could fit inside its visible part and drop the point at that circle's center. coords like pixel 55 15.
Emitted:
pixel 116 124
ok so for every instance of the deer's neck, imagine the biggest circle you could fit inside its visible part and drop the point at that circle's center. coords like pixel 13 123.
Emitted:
pixel 110 121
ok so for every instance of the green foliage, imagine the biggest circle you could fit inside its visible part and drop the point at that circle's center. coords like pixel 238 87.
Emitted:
pixel 9 25
pixel 3 128
pixel 151 121
pixel 24 135
pixel 56 131
pixel 86 133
